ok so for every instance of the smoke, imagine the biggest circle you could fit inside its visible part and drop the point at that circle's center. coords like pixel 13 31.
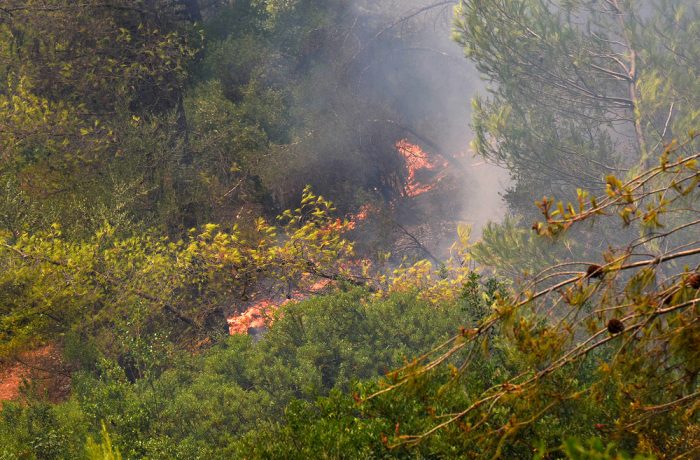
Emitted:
pixel 411 64
pixel 360 76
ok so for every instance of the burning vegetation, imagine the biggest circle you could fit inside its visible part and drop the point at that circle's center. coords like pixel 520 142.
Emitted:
pixel 227 229
pixel 260 314
pixel 423 172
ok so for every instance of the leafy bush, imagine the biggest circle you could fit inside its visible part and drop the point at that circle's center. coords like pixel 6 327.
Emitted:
pixel 201 405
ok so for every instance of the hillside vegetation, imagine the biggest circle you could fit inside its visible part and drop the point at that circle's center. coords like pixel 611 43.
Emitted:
pixel 223 229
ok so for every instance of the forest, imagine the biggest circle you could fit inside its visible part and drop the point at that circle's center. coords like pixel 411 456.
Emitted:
pixel 349 229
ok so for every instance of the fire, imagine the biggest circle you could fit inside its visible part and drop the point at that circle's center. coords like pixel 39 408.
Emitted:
pixel 360 216
pixel 319 285
pixel 260 314
pixel 336 226
pixel 363 213
pixel 424 173
pixel 417 162
pixel 351 220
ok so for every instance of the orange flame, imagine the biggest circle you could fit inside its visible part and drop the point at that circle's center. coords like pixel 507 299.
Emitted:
pixel 260 314
pixel 416 160
pixel 360 216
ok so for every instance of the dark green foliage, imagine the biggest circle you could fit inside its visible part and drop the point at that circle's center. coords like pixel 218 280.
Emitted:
pixel 127 126
pixel 291 395
pixel 180 406
pixel 577 91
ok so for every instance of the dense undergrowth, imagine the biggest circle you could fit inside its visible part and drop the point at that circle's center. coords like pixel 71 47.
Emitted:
pixel 288 395
pixel 167 165
pixel 216 403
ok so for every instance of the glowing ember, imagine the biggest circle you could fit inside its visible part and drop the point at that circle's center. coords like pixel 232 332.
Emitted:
pixel 361 215
pixel 417 162
pixel 44 366
pixel 256 316
pixel 424 173
pixel 319 285
pixel 335 226
pixel 259 315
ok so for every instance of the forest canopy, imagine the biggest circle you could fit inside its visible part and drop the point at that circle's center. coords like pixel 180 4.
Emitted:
pixel 234 229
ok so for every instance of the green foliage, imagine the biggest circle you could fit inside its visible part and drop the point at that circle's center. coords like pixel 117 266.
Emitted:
pixel 583 351
pixel 566 76
pixel 213 404
pixel 42 431
pixel 133 113
pixel 68 68
pixel 154 289
pixel 104 450
pixel 594 449
pixel 125 126
pixel 511 250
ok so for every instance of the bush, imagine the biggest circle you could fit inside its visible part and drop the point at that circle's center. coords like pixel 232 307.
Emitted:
pixel 298 375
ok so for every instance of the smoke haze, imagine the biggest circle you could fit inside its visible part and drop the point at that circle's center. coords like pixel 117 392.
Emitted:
pixel 426 77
